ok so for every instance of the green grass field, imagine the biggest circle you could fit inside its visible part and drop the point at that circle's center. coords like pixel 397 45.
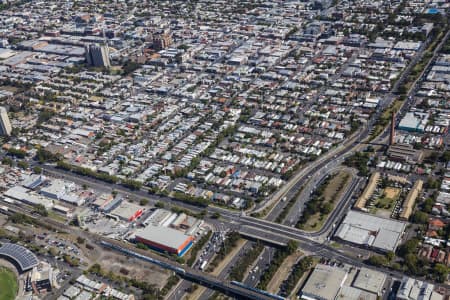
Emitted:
pixel 8 284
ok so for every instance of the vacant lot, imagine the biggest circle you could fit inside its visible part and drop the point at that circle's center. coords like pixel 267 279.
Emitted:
pixel 8 284
pixel 392 193
pixel 133 268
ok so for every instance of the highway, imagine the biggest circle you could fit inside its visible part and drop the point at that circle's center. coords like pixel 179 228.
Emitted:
pixel 226 270
pixel 259 266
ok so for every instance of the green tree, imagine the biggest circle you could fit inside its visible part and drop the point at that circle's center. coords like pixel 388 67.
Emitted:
pixel 419 217
pixel 440 271
pixel 23 164
pixel 445 157
pixel 37 170
pixel 43 155
pixel 410 246
pixel 326 208
pixel 159 204
pixel 41 210
pixel 411 263
pixel 141 246
pixel 377 260
pixel 45 116
pixel 7 161
pixel 390 256
pixel 19 153
pixel 292 246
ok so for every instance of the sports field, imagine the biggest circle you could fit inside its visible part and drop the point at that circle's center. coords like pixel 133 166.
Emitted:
pixel 8 284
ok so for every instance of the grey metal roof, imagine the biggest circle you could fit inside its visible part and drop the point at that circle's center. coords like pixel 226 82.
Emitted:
pixel 21 255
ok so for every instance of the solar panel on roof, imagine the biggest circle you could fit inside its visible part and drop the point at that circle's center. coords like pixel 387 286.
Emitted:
pixel 24 257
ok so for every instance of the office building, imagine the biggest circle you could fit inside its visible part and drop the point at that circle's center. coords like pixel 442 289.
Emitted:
pixel 97 55
pixel 5 125
pixel 162 40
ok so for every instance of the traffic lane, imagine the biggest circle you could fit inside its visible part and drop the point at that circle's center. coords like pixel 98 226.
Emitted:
pixel 207 294
pixel 260 265
pixel 314 166
pixel 324 162
pixel 179 291
pixel 297 209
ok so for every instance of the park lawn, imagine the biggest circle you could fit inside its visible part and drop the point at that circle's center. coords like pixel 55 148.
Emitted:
pixel 8 284
pixel 334 189
pixel 385 203
pixel 314 223
pixel 331 194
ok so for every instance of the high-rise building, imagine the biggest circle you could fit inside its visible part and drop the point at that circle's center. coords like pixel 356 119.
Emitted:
pixel 97 55
pixel 162 40
pixel 5 125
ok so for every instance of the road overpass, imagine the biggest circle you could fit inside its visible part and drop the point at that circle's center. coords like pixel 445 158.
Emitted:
pixel 253 233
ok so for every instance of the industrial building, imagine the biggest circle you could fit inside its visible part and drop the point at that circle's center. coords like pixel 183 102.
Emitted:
pixel 351 293
pixel 165 239
pixel 371 231
pixel 370 281
pixel 28 197
pixel 5 125
pixel 41 278
pixel 408 204
pixel 107 202
pixel 127 211
pixel 62 190
pixel 21 256
pixel 182 222
pixel 160 217
pixel 324 283
pixel 33 181
pixel 186 223
pixel 404 153
pixel 413 122
pixel 341 283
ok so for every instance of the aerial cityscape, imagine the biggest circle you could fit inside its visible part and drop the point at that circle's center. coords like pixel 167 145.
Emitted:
pixel 195 150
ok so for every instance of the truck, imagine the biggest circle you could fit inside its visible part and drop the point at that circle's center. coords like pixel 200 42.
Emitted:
pixel 203 265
